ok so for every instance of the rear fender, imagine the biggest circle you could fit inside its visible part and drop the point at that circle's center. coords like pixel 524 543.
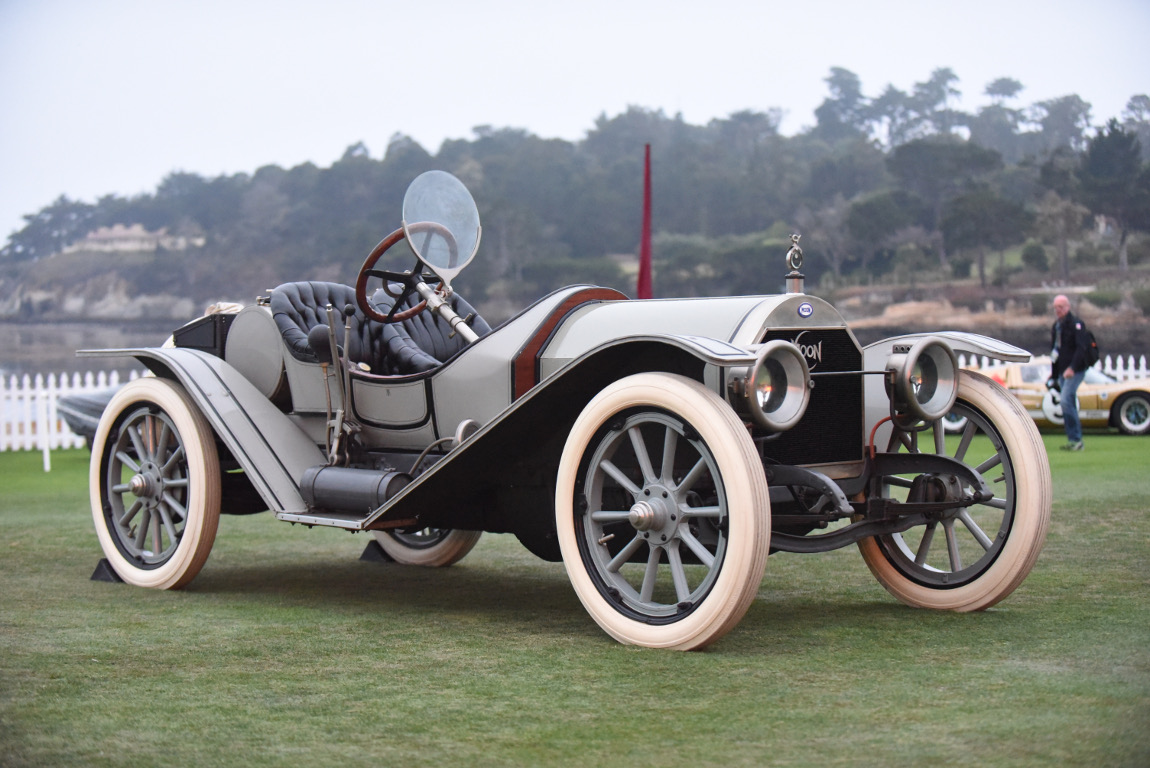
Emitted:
pixel 271 448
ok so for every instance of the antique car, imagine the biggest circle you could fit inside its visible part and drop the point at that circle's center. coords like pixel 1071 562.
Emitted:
pixel 660 449
pixel 1103 401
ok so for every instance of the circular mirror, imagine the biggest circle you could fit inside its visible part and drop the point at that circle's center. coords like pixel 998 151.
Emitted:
pixel 441 223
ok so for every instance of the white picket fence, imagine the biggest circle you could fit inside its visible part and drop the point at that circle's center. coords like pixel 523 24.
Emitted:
pixel 28 405
pixel 1121 368
pixel 31 421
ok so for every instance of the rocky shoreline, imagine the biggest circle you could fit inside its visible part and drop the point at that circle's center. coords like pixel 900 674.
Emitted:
pixel 1119 332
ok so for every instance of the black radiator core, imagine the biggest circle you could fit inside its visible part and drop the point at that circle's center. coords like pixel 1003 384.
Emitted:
pixel 831 430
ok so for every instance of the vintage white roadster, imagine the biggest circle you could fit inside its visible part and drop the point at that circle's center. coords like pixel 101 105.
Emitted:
pixel 659 448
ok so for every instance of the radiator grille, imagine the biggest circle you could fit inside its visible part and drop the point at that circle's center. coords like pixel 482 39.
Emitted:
pixel 831 430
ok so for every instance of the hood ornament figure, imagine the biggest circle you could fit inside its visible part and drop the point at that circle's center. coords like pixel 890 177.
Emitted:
pixel 795 261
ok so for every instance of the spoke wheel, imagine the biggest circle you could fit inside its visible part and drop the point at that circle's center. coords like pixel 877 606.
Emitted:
pixel 970 557
pixel 155 485
pixel 663 513
pixel 434 547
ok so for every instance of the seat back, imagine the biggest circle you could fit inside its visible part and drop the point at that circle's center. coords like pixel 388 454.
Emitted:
pixel 425 341
pixel 297 308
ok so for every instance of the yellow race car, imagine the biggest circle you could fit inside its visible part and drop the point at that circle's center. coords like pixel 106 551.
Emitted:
pixel 1103 401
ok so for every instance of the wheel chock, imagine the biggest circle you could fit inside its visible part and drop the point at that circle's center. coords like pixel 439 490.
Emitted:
pixel 105 572
pixel 373 553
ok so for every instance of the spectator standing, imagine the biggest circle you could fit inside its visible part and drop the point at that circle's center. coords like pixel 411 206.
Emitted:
pixel 1068 367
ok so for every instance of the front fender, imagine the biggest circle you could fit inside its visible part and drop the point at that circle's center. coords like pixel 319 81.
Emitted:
pixel 877 402
pixel 875 355
pixel 271 448
pixel 501 479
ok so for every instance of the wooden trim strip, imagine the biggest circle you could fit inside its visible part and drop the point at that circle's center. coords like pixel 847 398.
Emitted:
pixel 525 367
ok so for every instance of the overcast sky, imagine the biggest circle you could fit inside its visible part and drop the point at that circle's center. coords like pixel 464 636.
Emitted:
pixel 109 96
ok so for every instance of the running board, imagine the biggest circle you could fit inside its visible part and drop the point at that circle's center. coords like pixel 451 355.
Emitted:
pixel 347 521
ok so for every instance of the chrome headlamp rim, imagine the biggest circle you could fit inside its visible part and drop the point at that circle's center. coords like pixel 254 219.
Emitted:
pixel 927 369
pixel 777 359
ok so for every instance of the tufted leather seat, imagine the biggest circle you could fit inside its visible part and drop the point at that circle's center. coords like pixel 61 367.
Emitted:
pixel 415 345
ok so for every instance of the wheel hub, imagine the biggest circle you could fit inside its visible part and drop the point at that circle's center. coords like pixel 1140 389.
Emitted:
pixel 655 514
pixel 148 484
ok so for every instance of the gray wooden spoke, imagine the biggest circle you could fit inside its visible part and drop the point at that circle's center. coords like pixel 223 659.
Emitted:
pixel 924 545
pixel 128 461
pixel 633 546
pixel 939 438
pixel 692 477
pixel 173 461
pixel 138 443
pixel 618 476
pixel 175 506
pixel 169 526
pixel 650 574
pixel 670 445
pixel 130 513
pixel 688 511
pixel 641 455
pixel 990 463
pixel 678 575
pixel 964 441
pixel 952 545
pixel 975 531
pixel 693 544
pixel 142 531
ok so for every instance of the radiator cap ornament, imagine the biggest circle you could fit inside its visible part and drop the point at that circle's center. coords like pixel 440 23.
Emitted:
pixel 794 261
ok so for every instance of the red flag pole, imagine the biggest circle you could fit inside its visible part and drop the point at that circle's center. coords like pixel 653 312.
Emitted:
pixel 644 287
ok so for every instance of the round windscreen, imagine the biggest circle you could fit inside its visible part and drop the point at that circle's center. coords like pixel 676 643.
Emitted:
pixel 441 223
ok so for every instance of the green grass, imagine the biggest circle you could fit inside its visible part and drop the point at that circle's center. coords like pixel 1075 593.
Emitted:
pixel 288 650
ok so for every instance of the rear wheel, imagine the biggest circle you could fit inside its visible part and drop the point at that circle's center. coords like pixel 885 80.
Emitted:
pixel 434 547
pixel 1132 413
pixel 155 485
pixel 662 512
pixel 969 558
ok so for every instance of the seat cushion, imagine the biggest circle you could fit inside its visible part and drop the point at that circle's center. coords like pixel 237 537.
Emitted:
pixel 415 345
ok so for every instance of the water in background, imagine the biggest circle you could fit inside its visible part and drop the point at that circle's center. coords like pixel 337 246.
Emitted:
pixel 51 347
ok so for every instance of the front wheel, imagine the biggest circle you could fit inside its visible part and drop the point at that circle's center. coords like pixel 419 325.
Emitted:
pixel 969 558
pixel 663 512
pixel 155 485
pixel 432 547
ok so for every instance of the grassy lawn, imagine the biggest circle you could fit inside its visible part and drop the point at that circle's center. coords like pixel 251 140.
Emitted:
pixel 288 650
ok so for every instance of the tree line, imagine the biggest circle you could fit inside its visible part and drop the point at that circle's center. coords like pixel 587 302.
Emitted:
pixel 894 184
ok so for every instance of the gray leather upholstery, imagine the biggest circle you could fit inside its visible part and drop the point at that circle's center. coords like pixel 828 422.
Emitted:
pixel 418 344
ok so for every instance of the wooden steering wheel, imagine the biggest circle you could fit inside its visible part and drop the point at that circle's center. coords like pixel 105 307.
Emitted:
pixel 409 280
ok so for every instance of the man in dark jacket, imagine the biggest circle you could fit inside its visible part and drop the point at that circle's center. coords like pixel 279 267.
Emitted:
pixel 1068 367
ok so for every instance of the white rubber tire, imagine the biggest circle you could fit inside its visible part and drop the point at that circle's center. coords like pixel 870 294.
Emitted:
pixel 446 551
pixel 1033 497
pixel 200 470
pixel 748 509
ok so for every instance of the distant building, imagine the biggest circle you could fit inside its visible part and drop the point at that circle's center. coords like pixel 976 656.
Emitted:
pixel 119 238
